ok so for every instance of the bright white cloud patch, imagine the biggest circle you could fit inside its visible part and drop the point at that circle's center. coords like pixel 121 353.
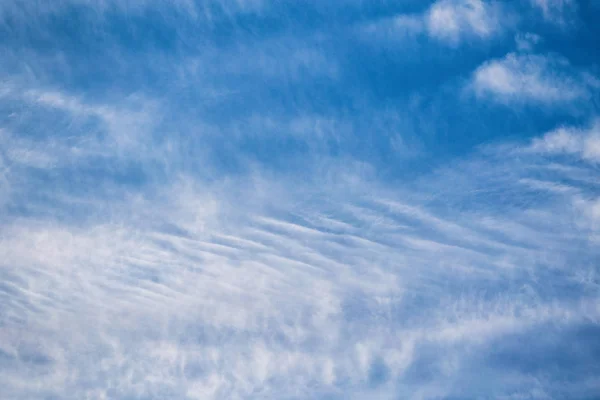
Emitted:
pixel 529 78
pixel 449 22
pixel 453 20
pixel 582 143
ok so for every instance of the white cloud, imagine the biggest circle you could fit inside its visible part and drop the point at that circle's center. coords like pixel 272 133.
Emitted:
pixel 113 130
pixel 264 287
pixel 286 285
pixel 453 20
pixel 527 41
pixel 556 11
pixel 589 209
pixel 447 21
pixel 16 9
pixel 528 78
pixel 582 143
pixel 192 292
pixel 395 28
pixel 124 124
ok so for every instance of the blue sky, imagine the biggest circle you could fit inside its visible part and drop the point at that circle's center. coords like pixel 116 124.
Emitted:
pixel 250 199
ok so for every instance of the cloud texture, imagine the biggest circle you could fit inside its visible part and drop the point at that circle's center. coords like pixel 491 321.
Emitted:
pixel 258 200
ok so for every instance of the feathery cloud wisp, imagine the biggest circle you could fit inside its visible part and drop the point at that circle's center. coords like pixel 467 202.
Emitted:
pixel 529 78
pixel 219 200
pixel 556 11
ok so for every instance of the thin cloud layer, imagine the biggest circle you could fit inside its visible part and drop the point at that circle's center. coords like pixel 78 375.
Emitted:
pixel 242 200
pixel 556 11
pixel 184 295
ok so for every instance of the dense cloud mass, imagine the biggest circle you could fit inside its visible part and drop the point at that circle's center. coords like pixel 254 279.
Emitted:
pixel 251 199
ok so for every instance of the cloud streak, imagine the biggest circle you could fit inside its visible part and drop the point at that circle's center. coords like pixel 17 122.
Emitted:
pixel 261 204
pixel 239 300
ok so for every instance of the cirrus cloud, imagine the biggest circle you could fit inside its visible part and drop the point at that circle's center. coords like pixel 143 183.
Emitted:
pixel 530 78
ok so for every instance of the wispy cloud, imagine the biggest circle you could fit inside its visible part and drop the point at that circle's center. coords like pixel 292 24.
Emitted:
pixel 556 11
pixel 527 41
pixel 225 204
pixel 207 297
pixel 452 21
pixel 583 143
pixel 529 78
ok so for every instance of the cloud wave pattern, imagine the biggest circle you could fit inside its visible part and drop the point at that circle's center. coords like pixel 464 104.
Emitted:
pixel 333 200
